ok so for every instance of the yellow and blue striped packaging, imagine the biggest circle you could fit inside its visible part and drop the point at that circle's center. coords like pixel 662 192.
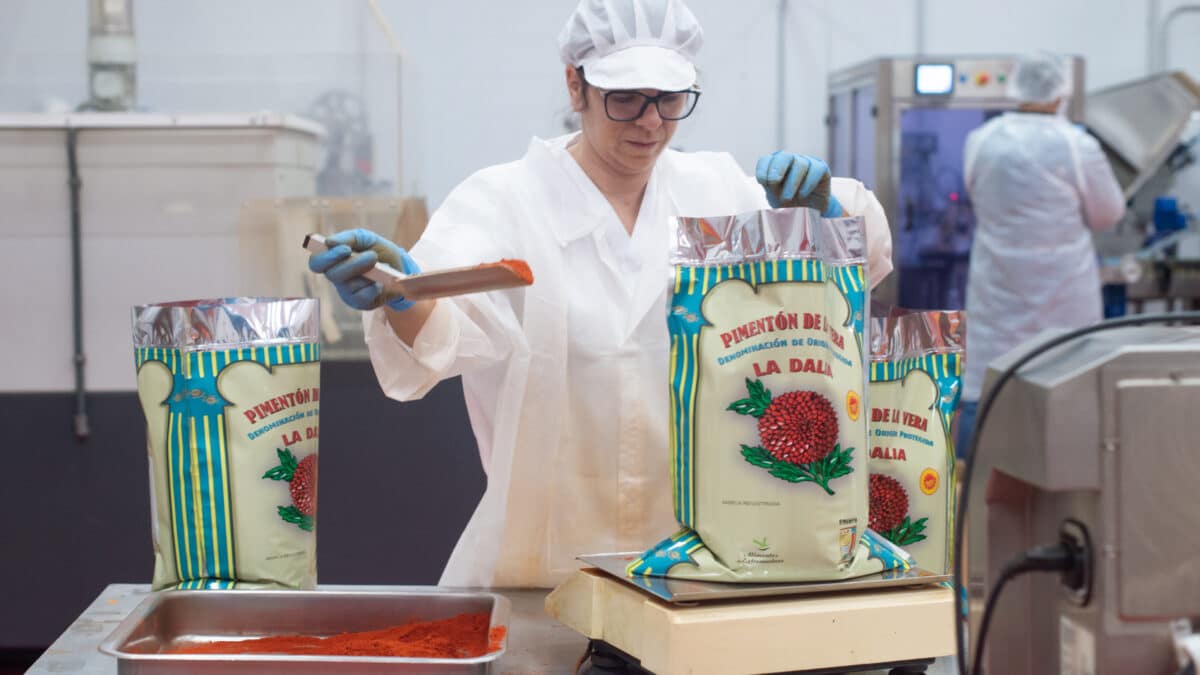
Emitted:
pixel 230 389
pixel 916 382
pixel 767 378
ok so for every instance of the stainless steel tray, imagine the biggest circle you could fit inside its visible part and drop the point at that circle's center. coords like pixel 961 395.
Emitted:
pixel 688 591
pixel 177 618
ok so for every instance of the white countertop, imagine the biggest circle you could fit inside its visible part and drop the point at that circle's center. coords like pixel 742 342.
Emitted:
pixel 147 120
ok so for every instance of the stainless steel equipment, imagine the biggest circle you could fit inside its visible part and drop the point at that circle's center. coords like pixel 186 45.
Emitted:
pixel 1140 124
pixel 112 56
pixel 1150 131
pixel 1100 432
pixel 536 642
pixel 898 124
pixel 179 618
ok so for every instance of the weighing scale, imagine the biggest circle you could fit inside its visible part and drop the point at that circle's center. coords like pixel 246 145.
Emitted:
pixel 898 621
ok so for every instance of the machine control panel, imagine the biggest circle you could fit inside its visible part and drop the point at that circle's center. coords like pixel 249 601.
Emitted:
pixel 968 78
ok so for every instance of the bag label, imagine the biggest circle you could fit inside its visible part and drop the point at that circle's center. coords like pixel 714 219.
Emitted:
pixel 232 438
pixel 911 459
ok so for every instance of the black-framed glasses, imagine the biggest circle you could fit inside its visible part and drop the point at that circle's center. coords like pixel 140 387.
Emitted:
pixel 627 106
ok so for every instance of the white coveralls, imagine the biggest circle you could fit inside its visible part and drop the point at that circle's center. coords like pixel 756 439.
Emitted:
pixel 566 381
pixel 1039 186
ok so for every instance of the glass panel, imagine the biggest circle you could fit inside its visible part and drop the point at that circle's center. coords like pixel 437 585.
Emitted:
pixel 934 214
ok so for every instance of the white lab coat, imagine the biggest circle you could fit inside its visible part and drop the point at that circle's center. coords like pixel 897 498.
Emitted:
pixel 1039 185
pixel 566 381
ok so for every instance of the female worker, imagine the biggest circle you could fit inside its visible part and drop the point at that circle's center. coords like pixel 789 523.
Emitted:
pixel 566 381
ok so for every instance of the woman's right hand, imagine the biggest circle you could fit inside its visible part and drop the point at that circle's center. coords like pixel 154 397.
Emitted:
pixel 351 254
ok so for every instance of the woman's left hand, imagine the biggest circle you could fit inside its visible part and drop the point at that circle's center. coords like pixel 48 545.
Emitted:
pixel 793 180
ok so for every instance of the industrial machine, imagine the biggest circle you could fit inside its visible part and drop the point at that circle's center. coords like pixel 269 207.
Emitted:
pixel 1141 125
pixel 1150 131
pixel 1092 442
pixel 898 124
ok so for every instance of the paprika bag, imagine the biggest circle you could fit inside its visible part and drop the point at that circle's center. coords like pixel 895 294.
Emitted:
pixel 916 381
pixel 231 392
pixel 768 435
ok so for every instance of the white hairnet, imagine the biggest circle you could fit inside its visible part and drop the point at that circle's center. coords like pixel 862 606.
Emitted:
pixel 1041 78
pixel 633 44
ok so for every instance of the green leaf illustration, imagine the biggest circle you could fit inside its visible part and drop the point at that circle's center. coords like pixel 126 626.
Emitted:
pixel 758 390
pixel 757 403
pixel 907 532
pixel 834 465
pixel 287 466
pixel 758 457
pixel 291 514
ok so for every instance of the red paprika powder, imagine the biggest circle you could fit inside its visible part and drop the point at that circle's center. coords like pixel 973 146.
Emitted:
pixel 461 637
pixel 519 268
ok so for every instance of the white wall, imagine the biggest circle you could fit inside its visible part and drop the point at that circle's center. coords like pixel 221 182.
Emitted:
pixel 1109 34
pixel 210 55
pixel 220 56
pixel 479 104
pixel 481 77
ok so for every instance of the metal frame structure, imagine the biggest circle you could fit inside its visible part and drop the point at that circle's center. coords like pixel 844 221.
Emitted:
pixel 881 90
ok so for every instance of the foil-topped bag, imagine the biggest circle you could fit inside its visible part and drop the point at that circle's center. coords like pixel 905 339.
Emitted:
pixel 768 424
pixel 916 382
pixel 231 393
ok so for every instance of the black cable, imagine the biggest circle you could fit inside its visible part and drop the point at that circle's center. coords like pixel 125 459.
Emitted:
pixel 988 606
pixel 985 406
pixel 1041 559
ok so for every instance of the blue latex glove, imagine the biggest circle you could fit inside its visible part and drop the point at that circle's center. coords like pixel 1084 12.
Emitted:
pixel 354 252
pixel 792 180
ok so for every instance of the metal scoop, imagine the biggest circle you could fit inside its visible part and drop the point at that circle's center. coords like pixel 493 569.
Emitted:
pixel 441 283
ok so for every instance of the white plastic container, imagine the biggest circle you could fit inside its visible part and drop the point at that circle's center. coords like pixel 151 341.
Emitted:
pixel 160 216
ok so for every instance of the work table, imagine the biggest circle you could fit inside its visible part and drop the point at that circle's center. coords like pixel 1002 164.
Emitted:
pixel 536 644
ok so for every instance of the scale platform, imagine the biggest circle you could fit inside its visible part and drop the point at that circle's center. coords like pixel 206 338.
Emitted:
pixel 680 626
pixel 689 591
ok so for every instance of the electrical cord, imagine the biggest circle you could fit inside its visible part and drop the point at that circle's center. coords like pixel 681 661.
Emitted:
pixel 985 406
pixel 1059 558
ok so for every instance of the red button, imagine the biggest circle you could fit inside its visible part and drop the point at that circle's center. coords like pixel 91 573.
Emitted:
pixel 982 79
